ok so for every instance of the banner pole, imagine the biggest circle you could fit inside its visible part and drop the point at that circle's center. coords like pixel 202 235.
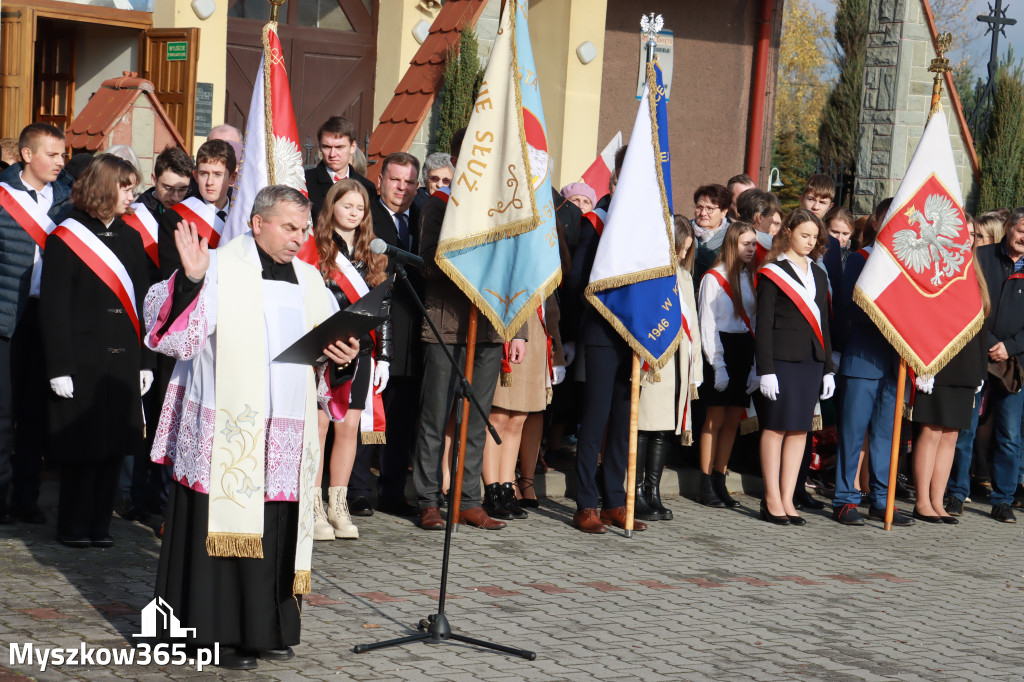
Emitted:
pixel 634 421
pixel 456 489
pixel 894 455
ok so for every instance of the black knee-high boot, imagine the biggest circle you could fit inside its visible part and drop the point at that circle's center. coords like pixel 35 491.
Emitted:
pixel 659 445
pixel 641 507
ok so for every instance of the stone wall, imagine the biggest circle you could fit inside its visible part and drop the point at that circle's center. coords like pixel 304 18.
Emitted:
pixel 896 100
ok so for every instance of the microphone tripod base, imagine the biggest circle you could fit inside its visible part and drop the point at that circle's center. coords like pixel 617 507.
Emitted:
pixel 435 629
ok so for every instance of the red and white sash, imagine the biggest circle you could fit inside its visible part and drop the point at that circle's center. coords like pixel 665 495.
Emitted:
pixel 597 218
pixel 799 294
pixel 98 257
pixel 27 213
pixel 724 283
pixel 143 222
pixel 204 215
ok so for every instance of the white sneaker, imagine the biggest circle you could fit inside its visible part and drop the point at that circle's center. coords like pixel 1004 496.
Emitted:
pixel 322 528
pixel 337 513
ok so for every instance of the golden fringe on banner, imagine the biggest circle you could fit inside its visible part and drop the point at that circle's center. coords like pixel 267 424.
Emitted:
pixel 748 426
pixel 268 110
pixel 372 438
pixel 904 349
pixel 302 583
pixel 244 545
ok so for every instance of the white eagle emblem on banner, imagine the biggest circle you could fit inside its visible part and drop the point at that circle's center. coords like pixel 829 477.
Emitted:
pixel 934 244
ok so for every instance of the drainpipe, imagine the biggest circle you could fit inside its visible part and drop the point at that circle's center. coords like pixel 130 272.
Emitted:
pixel 755 135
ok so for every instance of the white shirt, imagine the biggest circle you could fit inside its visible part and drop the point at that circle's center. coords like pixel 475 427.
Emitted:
pixel 806 278
pixel 716 314
pixel 338 177
pixel 44 199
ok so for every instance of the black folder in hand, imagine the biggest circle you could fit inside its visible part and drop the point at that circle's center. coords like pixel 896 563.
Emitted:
pixel 355 321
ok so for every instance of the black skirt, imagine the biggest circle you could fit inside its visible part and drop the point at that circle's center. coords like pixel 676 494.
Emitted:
pixel 947 406
pixel 738 350
pixel 360 383
pixel 243 603
pixel 799 390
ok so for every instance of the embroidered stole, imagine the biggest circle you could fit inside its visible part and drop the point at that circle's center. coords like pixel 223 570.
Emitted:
pixel 103 263
pixel 143 222
pixel 239 442
pixel 27 213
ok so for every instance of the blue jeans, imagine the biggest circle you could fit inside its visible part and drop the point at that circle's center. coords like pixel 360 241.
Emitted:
pixel 960 476
pixel 1007 411
pixel 864 404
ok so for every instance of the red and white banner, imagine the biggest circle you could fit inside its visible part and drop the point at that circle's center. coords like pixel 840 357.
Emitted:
pixel 27 213
pixel 600 172
pixel 143 222
pixel 272 154
pixel 103 262
pixel 209 226
pixel 919 284
pixel 372 426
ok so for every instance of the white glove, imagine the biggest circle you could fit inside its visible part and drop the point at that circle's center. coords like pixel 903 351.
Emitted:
pixel 753 381
pixel 145 381
pixel 837 357
pixel 978 389
pixel 828 386
pixel 559 372
pixel 925 383
pixel 770 386
pixel 569 351
pixel 63 387
pixel 721 379
pixel 381 374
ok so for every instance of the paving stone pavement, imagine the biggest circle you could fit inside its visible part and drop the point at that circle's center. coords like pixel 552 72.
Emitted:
pixel 714 594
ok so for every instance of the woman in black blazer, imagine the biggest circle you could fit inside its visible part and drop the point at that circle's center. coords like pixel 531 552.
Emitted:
pixel 794 356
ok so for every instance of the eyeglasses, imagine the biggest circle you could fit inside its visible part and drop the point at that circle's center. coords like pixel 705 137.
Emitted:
pixel 438 180
pixel 167 189
pixel 705 208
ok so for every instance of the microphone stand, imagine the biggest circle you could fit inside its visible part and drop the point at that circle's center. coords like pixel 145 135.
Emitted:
pixel 435 628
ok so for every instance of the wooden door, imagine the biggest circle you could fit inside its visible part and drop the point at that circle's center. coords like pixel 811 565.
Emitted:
pixel 330 49
pixel 174 80
pixel 53 98
pixel 16 57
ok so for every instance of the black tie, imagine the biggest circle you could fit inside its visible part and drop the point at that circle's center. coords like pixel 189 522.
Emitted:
pixel 402 221
pixel 223 215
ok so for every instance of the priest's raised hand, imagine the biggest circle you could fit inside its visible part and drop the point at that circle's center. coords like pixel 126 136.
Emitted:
pixel 193 251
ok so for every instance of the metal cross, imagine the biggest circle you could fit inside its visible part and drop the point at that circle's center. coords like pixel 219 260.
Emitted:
pixel 997 21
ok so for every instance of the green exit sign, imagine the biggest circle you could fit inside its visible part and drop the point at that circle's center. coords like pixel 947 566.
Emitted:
pixel 177 52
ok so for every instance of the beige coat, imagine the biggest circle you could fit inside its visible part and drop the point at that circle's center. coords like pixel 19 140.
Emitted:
pixel 661 409
pixel 530 389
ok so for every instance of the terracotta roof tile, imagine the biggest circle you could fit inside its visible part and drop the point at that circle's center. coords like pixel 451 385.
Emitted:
pixel 106 107
pixel 415 93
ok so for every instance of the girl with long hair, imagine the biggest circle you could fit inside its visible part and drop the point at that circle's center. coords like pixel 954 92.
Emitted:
pixel 727 313
pixel 944 405
pixel 343 232
pixel 794 356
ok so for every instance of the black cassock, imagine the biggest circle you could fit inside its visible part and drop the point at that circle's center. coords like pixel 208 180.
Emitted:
pixel 89 336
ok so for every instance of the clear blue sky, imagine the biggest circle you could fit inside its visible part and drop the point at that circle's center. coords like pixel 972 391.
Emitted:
pixel 979 48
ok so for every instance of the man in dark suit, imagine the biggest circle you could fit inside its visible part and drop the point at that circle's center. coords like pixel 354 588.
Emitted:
pixel 336 140
pixel 395 221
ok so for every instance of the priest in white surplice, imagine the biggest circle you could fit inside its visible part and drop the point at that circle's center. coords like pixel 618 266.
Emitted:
pixel 240 432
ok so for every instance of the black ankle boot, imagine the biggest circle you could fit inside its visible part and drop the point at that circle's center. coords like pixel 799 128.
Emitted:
pixel 508 497
pixel 494 505
pixel 718 485
pixel 658 447
pixel 641 508
pixel 706 495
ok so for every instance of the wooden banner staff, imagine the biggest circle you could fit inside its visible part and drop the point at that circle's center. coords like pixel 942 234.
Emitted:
pixel 939 66
pixel 455 489
pixel 634 422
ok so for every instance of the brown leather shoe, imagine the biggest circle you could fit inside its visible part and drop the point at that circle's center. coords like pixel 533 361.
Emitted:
pixel 617 517
pixel 430 519
pixel 588 521
pixel 476 516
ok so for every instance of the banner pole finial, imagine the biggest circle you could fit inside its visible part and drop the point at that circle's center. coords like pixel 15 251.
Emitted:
pixel 939 66
pixel 275 7
pixel 650 25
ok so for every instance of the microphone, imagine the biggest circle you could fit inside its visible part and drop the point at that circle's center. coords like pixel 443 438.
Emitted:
pixel 381 247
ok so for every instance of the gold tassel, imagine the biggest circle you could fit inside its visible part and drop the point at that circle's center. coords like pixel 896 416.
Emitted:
pixel 908 411
pixel 548 394
pixel 748 426
pixel 686 439
pixel 694 392
pixel 244 545
pixel 816 423
pixel 506 379
pixel 302 583
pixel 372 437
